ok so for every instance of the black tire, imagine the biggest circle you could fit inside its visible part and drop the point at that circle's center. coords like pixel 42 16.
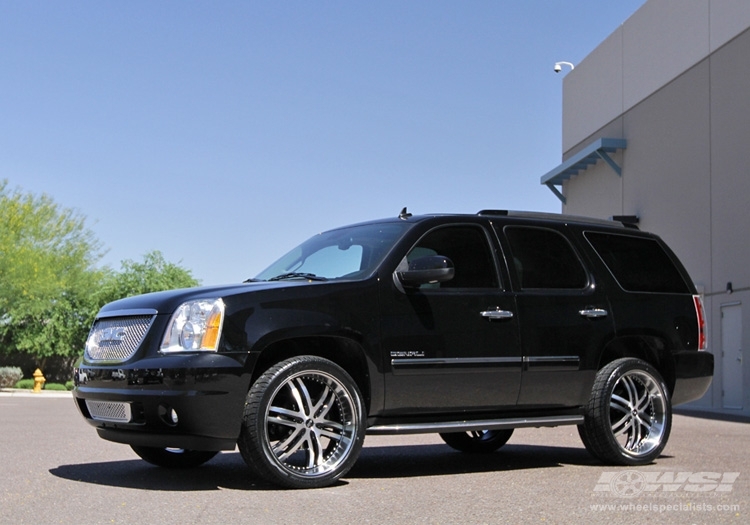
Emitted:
pixel 477 441
pixel 629 416
pixel 173 457
pixel 303 424
pixel 585 440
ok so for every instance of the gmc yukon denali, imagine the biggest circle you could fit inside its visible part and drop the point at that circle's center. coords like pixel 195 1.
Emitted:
pixel 464 325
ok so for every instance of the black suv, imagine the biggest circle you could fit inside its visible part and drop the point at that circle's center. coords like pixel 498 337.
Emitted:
pixel 464 325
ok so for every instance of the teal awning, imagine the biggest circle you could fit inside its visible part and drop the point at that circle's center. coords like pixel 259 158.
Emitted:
pixel 581 161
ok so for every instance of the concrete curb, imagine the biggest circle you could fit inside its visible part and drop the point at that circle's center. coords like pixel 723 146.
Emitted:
pixel 19 392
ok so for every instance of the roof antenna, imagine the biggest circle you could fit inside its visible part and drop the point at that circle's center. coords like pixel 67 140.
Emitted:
pixel 404 214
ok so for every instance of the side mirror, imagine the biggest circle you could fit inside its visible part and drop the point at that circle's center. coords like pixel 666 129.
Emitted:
pixel 429 269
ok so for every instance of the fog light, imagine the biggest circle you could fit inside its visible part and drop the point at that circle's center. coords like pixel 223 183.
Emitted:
pixel 168 415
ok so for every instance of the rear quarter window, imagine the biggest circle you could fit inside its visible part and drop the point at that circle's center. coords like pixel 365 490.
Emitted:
pixel 638 264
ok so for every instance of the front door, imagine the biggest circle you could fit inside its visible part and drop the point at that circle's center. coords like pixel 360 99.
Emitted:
pixel 454 345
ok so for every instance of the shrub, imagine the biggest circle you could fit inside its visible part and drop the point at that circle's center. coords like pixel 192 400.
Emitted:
pixel 55 386
pixel 26 384
pixel 9 376
pixel 69 385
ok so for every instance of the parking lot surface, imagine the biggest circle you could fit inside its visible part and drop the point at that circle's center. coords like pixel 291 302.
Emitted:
pixel 55 469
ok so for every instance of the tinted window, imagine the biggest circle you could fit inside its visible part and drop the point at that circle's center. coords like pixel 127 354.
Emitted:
pixel 544 259
pixel 638 264
pixel 467 247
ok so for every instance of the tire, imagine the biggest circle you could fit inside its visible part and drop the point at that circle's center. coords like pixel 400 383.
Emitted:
pixel 477 441
pixel 173 457
pixel 629 416
pixel 304 424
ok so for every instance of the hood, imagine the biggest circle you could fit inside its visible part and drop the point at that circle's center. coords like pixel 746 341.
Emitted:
pixel 168 301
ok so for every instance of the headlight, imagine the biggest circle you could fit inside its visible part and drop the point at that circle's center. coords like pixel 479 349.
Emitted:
pixel 195 326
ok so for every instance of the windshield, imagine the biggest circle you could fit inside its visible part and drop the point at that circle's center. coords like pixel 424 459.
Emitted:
pixel 348 253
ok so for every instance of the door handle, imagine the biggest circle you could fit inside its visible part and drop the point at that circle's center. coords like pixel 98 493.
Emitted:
pixel 593 313
pixel 497 314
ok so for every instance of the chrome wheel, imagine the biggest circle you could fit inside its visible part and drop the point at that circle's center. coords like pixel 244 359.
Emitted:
pixel 477 441
pixel 629 415
pixel 303 424
pixel 637 412
pixel 310 427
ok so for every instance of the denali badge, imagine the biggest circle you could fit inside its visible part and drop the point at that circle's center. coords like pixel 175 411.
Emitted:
pixel 410 353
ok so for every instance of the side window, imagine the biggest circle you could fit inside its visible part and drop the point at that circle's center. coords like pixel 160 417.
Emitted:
pixel 544 259
pixel 638 264
pixel 467 247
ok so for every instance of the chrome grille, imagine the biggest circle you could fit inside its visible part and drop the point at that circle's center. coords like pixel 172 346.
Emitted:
pixel 109 411
pixel 116 339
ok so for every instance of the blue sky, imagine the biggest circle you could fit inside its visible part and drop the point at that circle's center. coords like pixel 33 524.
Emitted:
pixel 225 133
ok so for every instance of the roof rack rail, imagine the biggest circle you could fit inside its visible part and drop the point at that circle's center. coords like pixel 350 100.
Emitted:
pixel 626 221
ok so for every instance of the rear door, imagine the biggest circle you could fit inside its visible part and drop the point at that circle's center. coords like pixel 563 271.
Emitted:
pixel 564 315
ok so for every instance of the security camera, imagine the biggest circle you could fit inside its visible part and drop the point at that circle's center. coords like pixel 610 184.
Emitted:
pixel 559 65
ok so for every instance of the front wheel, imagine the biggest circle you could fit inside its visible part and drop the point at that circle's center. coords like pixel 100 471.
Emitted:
pixel 303 424
pixel 173 457
pixel 629 416
pixel 477 441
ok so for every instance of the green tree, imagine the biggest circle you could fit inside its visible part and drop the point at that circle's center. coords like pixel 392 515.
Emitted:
pixel 50 288
pixel 154 274
pixel 47 275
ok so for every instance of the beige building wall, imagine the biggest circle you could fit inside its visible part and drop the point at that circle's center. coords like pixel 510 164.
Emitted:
pixel 674 81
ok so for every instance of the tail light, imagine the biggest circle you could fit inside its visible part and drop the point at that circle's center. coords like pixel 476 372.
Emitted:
pixel 701 317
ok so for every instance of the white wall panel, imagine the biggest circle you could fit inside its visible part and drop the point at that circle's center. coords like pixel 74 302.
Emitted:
pixel 661 40
pixel 592 92
pixel 729 18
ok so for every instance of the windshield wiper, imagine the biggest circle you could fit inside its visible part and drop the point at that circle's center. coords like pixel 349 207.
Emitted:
pixel 297 275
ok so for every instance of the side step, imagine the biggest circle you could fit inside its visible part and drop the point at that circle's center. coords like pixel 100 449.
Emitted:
pixel 469 425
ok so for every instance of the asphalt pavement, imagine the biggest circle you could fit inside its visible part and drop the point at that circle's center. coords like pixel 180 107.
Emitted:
pixel 55 469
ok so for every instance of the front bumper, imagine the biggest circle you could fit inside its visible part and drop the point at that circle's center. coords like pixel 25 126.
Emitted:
pixel 192 402
pixel 693 374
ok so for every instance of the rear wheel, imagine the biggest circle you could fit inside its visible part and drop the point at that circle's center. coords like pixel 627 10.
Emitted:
pixel 173 457
pixel 303 424
pixel 477 441
pixel 629 416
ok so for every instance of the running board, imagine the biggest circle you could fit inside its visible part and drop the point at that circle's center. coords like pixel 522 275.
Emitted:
pixel 467 426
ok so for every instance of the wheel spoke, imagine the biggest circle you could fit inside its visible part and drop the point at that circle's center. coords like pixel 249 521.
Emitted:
pixel 294 416
pixel 290 445
pixel 336 436
pixel 324 405
pixel 645 425
pixel 302 396
pixel 622 426
pixel 619 403
pixel 283 422
pixel 630 389
pixel 634 436
pixel 314 451
pixel 643 402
